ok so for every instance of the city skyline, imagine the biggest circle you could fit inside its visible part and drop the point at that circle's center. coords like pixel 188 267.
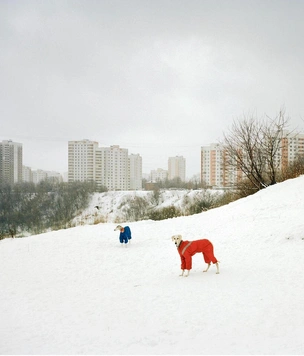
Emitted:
pixel 131 153
pixel 115 168
pixel 132 156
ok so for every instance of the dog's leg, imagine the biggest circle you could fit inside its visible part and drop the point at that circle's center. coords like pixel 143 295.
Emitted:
pixel 217 268
pixel 186 274
pixel 208 266
pixel 181 275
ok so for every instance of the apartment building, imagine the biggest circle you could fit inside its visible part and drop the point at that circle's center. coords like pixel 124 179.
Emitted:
pixel 292 146
pixel 36 176
pixel 115 168
pixel 11 156
pixel 212 165
pixel 84 161
pixel 177 168
pixel 40 175
pixel 135 167
pixel 214 170
pixel 110 167
pixel 27 175
pixel 159 175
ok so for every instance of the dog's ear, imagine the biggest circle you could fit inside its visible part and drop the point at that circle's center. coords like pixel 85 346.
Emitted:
pixel 179 237
pixel 173 237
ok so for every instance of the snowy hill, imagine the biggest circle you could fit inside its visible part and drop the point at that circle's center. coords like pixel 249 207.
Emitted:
pixel 78 291
pixel 112 205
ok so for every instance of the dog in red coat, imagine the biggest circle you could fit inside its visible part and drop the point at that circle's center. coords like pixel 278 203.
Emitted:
pixel 187 249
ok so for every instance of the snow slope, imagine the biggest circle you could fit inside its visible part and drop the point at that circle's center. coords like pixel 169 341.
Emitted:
pixel 78 291
pixel 111 204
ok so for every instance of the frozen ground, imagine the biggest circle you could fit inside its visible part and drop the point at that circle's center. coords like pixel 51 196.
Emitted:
pixel 78 291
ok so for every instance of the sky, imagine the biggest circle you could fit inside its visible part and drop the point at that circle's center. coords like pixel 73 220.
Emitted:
pixel 161 78
pixel 78 291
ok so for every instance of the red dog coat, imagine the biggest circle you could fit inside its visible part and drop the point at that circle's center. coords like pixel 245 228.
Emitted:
pixel 187 249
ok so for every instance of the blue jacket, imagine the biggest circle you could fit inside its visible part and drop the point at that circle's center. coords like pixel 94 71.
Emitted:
pixel 125 236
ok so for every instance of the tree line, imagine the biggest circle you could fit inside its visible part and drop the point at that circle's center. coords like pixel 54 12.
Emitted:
pixel 35 208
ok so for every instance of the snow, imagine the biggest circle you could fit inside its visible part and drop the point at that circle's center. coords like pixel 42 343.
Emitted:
pixel 111 204
pixel 78 291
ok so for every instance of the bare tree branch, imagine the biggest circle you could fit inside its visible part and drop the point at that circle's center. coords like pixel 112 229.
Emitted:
pixel 254 146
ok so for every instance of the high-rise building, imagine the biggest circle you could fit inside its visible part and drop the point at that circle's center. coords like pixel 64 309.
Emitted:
pixel 84 161
pixel 135 168
pixel 215 171
pixel 212 165
pixel 10 162
pixel 291 147
pixel 110 167
pixel 115 173
pixel 177 168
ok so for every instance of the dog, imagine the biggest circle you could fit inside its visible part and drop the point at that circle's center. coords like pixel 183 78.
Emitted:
pixel 125 234
pixel 187 249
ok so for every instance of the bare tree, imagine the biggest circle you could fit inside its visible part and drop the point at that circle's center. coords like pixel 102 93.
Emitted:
pixel 272 143
pixel 195 182
pixel 253 147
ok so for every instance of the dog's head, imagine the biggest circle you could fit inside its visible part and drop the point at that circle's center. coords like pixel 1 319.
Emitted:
pixel 177 239
pixel 118 227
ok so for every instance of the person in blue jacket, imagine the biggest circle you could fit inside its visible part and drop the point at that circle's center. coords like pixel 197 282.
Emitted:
pixel 125 234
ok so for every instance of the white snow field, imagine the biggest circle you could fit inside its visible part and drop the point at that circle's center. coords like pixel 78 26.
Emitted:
pixel 78 291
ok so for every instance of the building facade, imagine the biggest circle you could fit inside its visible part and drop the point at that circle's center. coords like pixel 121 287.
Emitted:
pixel 11 157
pixel 159 175
pixel 291 148
pixel 214 162
pixel 84 161
pixel 115 168
pixel 135 167
pixel 177 168
pixel 27 174
pixel 212 165
pixel 110 167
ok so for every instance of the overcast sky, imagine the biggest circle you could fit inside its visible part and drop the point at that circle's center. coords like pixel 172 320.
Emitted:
pixel 161 78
